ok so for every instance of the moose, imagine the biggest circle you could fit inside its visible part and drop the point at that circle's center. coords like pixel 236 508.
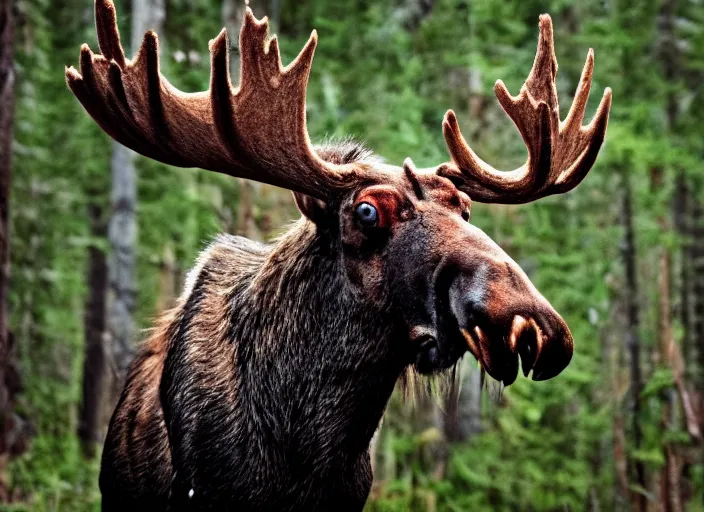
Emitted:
pixel 262 388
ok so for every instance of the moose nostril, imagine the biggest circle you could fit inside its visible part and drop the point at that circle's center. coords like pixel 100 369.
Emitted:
pixel 420 334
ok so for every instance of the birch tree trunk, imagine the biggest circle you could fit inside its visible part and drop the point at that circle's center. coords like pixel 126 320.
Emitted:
pixel 146 15
pixel 7 103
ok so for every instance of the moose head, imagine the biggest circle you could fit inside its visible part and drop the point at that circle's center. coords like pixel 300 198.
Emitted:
pixel 398 239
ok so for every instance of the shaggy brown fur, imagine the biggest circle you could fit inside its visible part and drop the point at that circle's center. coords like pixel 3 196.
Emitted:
pixel 253 429
pixel 237 281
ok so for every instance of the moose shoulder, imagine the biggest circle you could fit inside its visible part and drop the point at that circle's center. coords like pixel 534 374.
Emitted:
pixel 262 388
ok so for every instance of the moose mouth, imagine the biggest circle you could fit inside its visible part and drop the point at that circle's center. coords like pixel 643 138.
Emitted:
pixel 543 348
pixel 500 348
pixel 494 312
pixel 499 353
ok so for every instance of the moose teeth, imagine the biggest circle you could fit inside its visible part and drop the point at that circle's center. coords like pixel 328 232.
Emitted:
pixel 518 325
pixel 525 340
pixel 472 344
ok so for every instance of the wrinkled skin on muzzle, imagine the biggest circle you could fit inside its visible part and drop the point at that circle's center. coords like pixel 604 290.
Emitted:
pixel 460 291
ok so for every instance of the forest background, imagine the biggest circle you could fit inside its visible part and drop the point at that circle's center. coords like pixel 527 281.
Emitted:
pixel 96 241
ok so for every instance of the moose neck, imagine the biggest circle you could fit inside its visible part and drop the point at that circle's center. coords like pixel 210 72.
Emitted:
pixel 296 372
pixel 326 354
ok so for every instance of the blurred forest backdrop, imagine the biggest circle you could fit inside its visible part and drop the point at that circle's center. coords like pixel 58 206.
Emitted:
pixel 99 241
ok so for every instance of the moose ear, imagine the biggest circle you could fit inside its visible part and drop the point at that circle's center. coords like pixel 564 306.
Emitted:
pixel 314 209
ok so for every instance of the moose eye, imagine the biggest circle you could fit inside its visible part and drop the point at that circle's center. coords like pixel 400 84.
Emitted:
pixel 367 214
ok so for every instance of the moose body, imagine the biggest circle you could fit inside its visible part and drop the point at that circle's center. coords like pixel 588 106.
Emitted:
pixel 270 386
pixel 262 388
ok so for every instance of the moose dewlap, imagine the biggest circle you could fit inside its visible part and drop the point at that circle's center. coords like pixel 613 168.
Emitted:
pixel 261 389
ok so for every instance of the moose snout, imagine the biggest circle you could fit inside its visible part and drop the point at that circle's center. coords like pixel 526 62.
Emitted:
pixel 544 350
pixel 504 319
pixel 541 340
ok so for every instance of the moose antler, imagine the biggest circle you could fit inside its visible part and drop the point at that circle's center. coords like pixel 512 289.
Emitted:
pixel 560 154
pixel 257 131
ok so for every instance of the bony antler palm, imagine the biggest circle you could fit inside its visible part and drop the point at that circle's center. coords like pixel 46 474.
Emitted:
pixel 560 153
pixel 256 131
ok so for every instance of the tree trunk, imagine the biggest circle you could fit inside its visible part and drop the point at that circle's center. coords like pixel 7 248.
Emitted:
pixel 463 412
pixel 7 103
pixel 698 291
pixel 620 461
pixel 232 14
pixel 632 340
pixel 614 355
pixel 669 352
pixel 146 15
pixel 414 12
pixel 275 14
pixel 95 333
pixel 664 341
pixel 682 223
pixel 168 279
pixel 669 479
pixel 122 236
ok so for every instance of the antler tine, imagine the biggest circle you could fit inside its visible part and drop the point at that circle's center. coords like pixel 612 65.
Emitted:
pixel 581 96
pixel 560 154
pixel 257 131
pixel 108 33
